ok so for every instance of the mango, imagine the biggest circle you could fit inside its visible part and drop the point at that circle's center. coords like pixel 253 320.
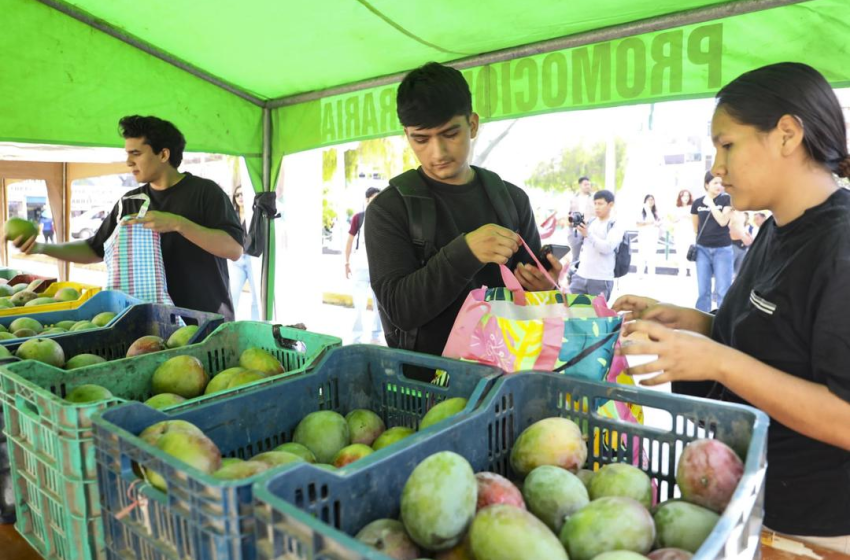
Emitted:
pixel 7 336
pixel 146 345
pixel 392 436
pixel 181 375
pixel 297 449
pixel 389 537
pixel 259 359
pixel 586 476
pixel 608 524
pixel 67 294
pixel 553 494
pixel 239 470
pixel 67 325
pixel 708 473
pixel 83 360
pixel 277 458
pixel 553 441
pixel 324 433
pixel 181 336
pixel 53 330
pixel 245 377
pixel 679 524
pixel 88 393
pixel 197 451
pixel 4 352
pixel 222 380
pixel 620 479
pixel 21 298
pixel 504 532
pixel 669 554
pixel 620 555
pixel 6 303
pixel 103 319
pixel 364 426
pixel 230 461
pixel 351 453
pixel 24 333
pixel 43 350
pixel 438 501
pixel 39 301
pixel 496 489
pixel 441 411
pixel 152 433
pixel 83 326
pixel 19 227
pixel 25 323
pixel 164 400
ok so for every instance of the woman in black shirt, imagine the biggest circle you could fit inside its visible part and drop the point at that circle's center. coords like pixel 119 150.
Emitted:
pixel 781 339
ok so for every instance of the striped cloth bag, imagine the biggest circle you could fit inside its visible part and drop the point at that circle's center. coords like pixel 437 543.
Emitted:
pixel 133 257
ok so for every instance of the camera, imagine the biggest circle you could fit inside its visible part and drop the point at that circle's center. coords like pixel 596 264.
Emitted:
pixel 576 219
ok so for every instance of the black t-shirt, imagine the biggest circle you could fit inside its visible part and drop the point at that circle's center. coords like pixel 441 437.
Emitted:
pixel 790 308
pixel 428 298
pixel 196 279
pixel 713 234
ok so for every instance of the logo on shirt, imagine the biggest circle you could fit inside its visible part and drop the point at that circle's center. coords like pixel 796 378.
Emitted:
pixel 762 304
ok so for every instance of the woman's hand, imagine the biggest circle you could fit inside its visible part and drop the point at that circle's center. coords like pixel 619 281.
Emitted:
pixel 681 355
pixel 670 316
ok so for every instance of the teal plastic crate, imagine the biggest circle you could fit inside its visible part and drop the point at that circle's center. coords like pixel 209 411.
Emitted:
pixel 204 518
pixel 309 514
pixel 50 440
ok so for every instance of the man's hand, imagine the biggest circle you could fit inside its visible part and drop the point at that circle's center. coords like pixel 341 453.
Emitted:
pixel 493 244
pixel 582 229
pixel 26 245
pixel 160 222
pixel 533 280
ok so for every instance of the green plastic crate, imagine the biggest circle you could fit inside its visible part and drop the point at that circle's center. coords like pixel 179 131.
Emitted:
pixel 50 440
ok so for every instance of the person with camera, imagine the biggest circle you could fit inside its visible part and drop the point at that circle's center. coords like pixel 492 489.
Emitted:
pixel 581 207
pixel 440 231
pixel 600 238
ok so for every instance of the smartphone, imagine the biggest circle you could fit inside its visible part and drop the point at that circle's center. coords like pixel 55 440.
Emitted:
pixel 560 251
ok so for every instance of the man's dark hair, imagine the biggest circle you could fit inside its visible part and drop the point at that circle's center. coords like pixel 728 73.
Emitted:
pixel 372 191
pixel 157 133
pixel 608 196
pixel 761 97
pixel 432 95
pixel 582 179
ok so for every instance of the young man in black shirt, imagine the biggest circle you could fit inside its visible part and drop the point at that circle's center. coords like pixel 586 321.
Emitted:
pixel 198 223
pixel 420 294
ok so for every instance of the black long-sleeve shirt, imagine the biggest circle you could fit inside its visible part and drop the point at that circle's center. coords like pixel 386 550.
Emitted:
pixel 428 298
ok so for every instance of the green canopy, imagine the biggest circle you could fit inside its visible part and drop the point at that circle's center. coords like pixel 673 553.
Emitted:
pixel 262 78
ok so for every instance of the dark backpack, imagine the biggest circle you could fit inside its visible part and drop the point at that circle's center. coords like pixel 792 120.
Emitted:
pixel 422 219
pixel 265 209
pixel 623 252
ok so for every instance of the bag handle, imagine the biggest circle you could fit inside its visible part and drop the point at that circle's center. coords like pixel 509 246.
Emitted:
pixel 146 202
pixel 511 282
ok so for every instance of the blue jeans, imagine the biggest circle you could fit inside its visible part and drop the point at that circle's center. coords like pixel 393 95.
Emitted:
pixel 240 271
pixel 360 297
pixel 713 262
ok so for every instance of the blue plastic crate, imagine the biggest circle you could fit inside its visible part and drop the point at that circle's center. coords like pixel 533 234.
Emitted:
pixel 308 513
pixel 204 518
pixel 109 300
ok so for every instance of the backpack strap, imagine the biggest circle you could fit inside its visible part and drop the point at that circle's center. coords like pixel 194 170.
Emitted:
pixel 499 196
pixel 421 212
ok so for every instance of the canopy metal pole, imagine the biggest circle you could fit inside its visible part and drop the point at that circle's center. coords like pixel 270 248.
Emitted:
pixel 267 289
pixel 101 25
pixel 698 15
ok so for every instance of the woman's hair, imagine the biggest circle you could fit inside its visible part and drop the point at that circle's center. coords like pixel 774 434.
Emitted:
pixel 679 197
pixel 654 210
pixel 237 205
pixel 708 177
pixel 761 97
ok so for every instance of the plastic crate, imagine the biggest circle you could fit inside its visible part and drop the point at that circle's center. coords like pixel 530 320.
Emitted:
pixel 50 440
pixel 209 519
pixel 86 293
pixel 108 300
pixel 309 514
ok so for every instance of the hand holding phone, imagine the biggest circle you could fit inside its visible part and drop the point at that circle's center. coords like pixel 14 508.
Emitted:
pixel 559 251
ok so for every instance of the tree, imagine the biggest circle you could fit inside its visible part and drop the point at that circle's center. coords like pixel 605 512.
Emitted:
pixel 328 164
pixel 480 157
pixel 560 173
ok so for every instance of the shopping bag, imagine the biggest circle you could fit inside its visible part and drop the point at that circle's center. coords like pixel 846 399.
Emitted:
pixel 516 330
pixel 133 257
